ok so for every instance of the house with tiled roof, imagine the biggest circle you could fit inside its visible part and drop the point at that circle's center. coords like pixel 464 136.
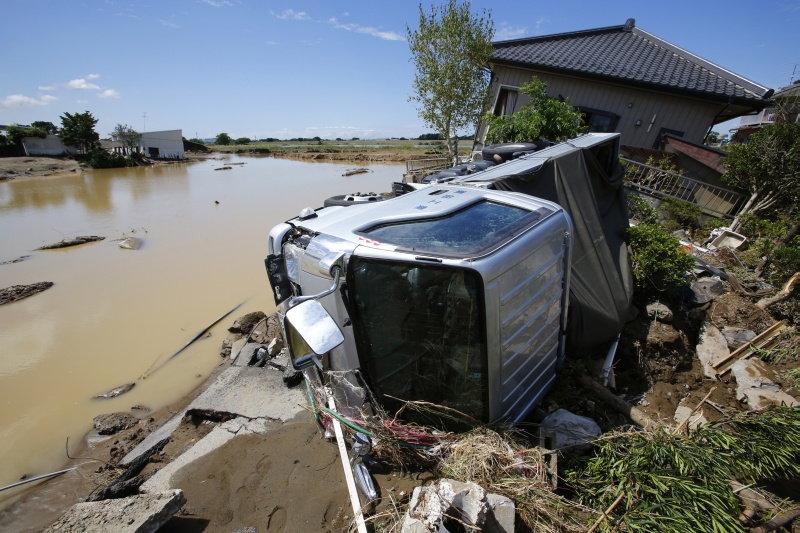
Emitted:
pixel 624 80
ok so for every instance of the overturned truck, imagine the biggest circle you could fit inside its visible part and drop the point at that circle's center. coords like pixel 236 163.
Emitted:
pixel 467 294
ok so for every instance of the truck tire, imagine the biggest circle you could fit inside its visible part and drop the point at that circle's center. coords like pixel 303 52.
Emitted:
pixel 506 151
pixel 345 200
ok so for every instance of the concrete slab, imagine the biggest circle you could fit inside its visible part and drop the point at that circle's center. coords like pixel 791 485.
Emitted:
pixel 163 431
pixel 134 514
pixel 252 392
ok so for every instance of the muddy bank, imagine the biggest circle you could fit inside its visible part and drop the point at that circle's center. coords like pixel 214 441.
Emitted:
pixel 22 167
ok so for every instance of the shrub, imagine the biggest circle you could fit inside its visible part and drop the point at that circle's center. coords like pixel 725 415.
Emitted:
pixel 104 159
pixel 640 209
pixel 685 214
pixel 658 262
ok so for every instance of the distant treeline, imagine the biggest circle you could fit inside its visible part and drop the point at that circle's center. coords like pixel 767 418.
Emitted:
pixel 247 140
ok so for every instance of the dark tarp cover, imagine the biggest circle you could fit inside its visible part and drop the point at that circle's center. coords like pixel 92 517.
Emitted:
pixel 601 285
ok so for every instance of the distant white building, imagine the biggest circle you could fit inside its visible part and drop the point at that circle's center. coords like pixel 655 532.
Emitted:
pixel 166 144
pixel 50 145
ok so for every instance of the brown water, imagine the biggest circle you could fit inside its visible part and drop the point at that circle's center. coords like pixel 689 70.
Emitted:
pixel 113 313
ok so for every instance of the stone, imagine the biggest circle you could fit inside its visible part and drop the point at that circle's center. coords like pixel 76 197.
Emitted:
pixel 237 346
pixel 660 312
pixel 754 386
pixel 705 290
pixel 685 409
pixel 568 432
pixel 109 424
pixel 245 323
pixel 134 514
pixel 737 337
pixel 275 347
pixel 20 292
pixel 227 343
pixel 711 349
pixel 130 243
pixel 431 506
pixel 248 354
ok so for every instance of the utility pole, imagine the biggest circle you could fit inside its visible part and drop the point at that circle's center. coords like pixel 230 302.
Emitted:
pixel 144 122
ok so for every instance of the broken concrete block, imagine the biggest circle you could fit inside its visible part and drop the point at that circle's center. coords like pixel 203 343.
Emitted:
pixel 711 349
pixel 245 323
pixel 705 290
pixel 737 337
pixel 685 409
pixel 659 311
pixel 568 432
pixel 237 346
pixel 755 387
pixel 248 354
pixel 144 513
pixel 275 347
pixel 431 506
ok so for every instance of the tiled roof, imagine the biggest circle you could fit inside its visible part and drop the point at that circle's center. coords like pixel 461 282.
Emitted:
pixel 626 54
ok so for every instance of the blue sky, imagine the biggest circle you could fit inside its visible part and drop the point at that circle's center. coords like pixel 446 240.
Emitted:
pixel 316 68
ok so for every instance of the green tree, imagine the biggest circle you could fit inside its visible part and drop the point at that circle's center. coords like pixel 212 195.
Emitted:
pixel 196 140
pixel 450 49
pixel 768 167
pixel 127 136
pixel 223 139
pixel 243 140
pixel 48 127
pixel 16 133
pixel 78 130
pixel 543 117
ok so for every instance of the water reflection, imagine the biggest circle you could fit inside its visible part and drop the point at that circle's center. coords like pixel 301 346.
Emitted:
pixel 113 312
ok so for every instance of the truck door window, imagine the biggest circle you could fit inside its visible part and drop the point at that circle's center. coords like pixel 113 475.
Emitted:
pixel 420 332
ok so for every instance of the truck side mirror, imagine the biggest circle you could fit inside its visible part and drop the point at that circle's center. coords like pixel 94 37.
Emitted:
pixel 317 330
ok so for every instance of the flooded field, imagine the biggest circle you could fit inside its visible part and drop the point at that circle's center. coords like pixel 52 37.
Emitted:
pixel 112 314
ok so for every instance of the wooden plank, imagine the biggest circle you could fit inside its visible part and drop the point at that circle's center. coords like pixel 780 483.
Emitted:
pixel 764 340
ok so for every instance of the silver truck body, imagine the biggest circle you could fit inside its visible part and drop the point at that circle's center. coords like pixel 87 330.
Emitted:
pixel 450 294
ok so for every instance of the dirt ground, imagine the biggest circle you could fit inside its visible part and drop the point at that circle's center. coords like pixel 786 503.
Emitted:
pixel 21 167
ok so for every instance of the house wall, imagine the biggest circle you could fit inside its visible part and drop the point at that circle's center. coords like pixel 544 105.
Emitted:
pixel 50 145
pixel 692 116
pixel 169 143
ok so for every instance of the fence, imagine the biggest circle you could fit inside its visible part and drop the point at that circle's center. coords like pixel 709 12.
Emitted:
pixel 657 182
pixel 424 165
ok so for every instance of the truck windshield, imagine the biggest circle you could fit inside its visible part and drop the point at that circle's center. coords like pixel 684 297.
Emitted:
pixel 420 332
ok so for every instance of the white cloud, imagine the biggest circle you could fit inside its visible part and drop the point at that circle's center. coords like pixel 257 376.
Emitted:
pixel 109 93
pixel 367 30
pixel 270 43
pixel 15 101
pixel 218 3
pixel 506 32
pixel 169 24
pixel 47 87
pixel 291 14
pixel 81 84
pixel 92 76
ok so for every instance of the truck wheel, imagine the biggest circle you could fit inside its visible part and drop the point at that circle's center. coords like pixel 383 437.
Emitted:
pixel 505 151
pixel 345 200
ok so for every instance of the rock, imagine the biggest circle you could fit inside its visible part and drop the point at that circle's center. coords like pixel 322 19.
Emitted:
pixel 275 347
pixel 245 324
pixel 134 514
pixel 247 529
pixel 659 311
pixel 66 243
pixel 227 343
pixel 711 349
pixel 755 387
pixel 20 292
pixel 431 508
pixel 17 260
pixel 113 393
pixel 737 337
pixel 684 409
pixel 237 346
pixel 130 243
pixel 705 290
pixel 566 431
pixel 111 423
pixel 248 354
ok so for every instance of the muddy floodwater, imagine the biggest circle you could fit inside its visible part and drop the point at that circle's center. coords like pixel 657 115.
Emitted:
pixel 113 314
